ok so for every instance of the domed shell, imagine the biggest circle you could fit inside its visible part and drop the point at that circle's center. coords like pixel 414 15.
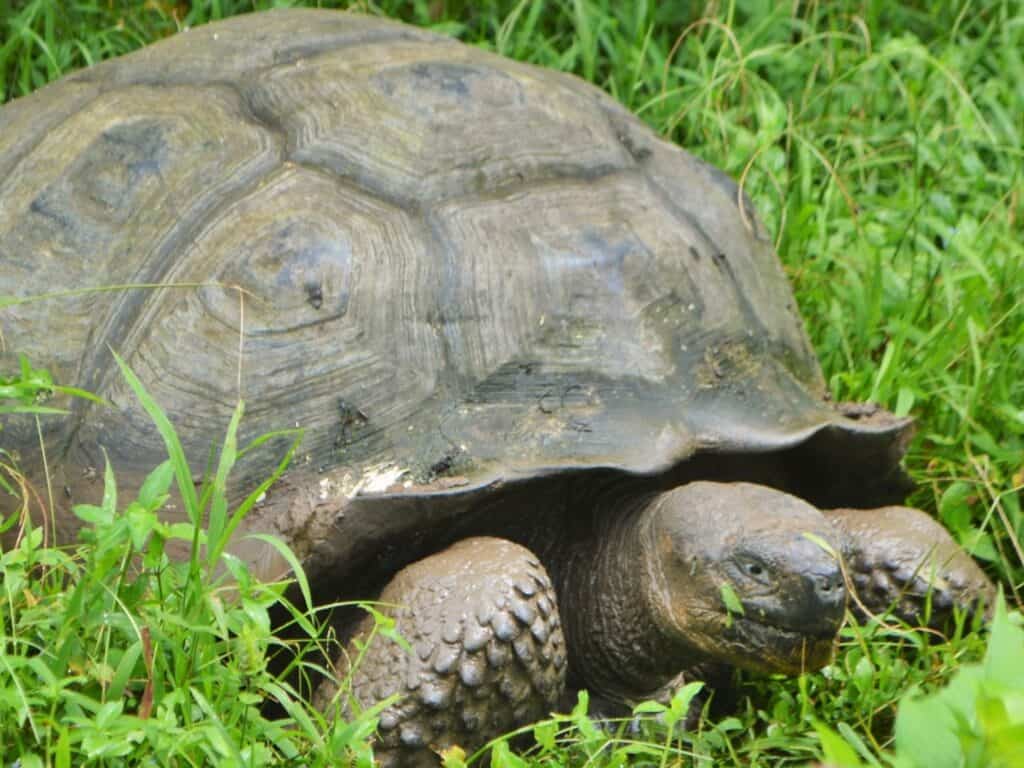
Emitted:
pixel 450 269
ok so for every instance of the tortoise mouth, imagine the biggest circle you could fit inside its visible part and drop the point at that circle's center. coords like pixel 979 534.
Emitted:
pixel 774 648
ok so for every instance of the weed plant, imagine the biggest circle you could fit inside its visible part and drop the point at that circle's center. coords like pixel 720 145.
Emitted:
pixel 883 143
pixel 111 653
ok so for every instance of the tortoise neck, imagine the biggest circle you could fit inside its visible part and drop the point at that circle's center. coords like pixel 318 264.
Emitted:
pixel 607 587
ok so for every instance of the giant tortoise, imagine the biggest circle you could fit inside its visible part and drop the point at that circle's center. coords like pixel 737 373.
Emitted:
pixel 557 400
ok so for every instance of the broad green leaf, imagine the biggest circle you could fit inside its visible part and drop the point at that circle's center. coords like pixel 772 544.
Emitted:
pixel 1004 660
pixel 154 489
pixel 502 757
pixel 953 507
pixel 649 708
pixel 837 751
pixel 680 704
pixel 926 730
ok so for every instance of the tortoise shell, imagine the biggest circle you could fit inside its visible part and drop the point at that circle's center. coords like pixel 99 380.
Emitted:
pixel 451 270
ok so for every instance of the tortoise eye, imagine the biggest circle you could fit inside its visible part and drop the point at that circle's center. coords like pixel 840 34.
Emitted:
pixel 755 569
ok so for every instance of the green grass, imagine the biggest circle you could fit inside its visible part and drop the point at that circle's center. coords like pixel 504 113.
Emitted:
pixel 112 653
pixel 882 142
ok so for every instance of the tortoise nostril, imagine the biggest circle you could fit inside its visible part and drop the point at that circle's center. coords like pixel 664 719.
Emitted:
pixel 830 587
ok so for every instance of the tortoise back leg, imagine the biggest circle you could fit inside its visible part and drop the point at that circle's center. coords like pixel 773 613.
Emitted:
pixel 903 559
pixel 486 652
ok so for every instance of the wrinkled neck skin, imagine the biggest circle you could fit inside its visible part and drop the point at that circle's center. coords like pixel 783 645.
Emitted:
pixel 607 584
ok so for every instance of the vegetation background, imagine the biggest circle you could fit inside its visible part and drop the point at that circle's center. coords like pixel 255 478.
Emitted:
pixel 883 143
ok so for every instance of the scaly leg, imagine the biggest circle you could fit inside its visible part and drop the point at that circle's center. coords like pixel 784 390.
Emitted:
pixel 487 652
pixel 900 557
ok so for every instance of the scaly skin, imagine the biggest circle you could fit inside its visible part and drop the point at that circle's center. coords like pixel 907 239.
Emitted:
pixel 642 593
pixel 487 652
pixel 646 593
pixel 900 558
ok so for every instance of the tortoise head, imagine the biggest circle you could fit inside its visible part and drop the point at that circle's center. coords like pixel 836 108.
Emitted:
pixel 743 574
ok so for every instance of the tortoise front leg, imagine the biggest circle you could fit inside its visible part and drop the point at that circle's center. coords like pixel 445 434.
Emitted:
pixel 486 653
pixel 901 558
